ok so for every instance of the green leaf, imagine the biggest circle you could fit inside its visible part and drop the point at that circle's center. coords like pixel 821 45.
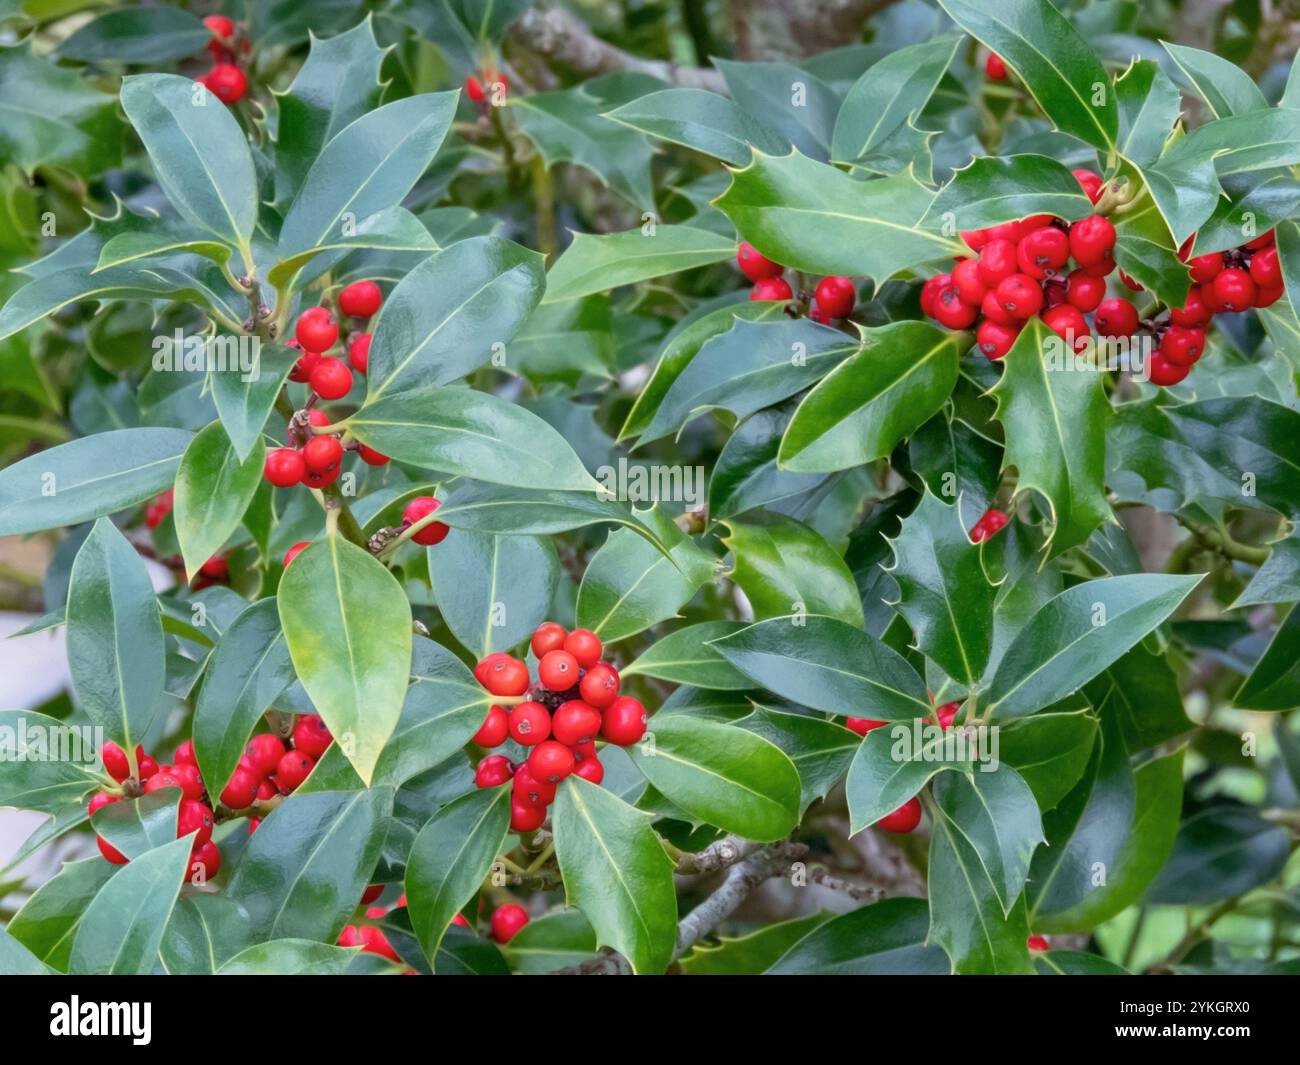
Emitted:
pixel 485 287
pixel 205 931
pixel 1078 634
pixel 449 859
pixel 137 826
pixel 785 567
pixel 17 960
pixel 893 764
pixel 123 925
pixel 1050 751
pixel 751 954
pixel 1051 59
pixel 685 657
pixel 1055 420
pixel 1141 688
pixel 552 941
pixel 1149 108
pixel 820 750
pixel 630 585
pixel 861 410
pixel 797 105
pixel 1225 88
pixel 943 592
pixel 616 872
pixel 1221 852
pixel 471 434
pixel 746 476
pixel 887 94
pixel 246 673
pixel 115 637
pixel 167 238
pixel 289 957
pixel 721 775
pixel 199 154
pixel 392 230
pixel 368 166
pixel 812 217
pixel 705 121
pixel 825 664
pixel 1144 244
pixel 48 921
pixel 494 613
pixel 593 264
pixel 1274 683
pixel 993 190
pixel 1278 579
pixel 213 489
pixel 885 939
pixel 88 478
pixel 37 772
pixel 957 464
pixel 348 626
pixel 304 870
pixel 244 405
pixel 137 35
pixel 1075 963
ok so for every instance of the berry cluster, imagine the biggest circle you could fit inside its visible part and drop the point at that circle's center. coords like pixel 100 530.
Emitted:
pixel 193 815
pixel 226 81
pixel 317 459
pixel 1022 269
pixel 268 768
pixel 833 298
pixel 575 702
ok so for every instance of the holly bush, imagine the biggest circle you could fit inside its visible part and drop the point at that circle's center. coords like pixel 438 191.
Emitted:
pixel 524 493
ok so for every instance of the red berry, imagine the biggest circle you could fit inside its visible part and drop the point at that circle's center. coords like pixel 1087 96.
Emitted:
pixel 226 82
pixel 1265 268
pixel 205 862
pixel 1090 182
pixel 527 788
pixel 1116 318
pixel 1205 268
pixel 185 754
pixel 148 767
pixel 115 761
pixel 220 26
pixel 506 676
pixel 1163 372
pixel 99 800
pixel 994 311
pixel 600 686
pixel 862 725
pixel 585 646
pixel 590 770
pixel 1266 297
pixel 624 721
pixel 1068 323
pixel 525 817
pixel 994 68
pixel 484 665
pixel 558 670
pixel 302 369
pixel 904 819
pixel 1020 295
pixel 1234 289
pixel 492 772
pixel 193 816
pixel 359 352
pixel 947 713
pixel 1193 312
pixel 1043 250
pixel 1083 291
pixel 266 790
pixel 109 852
pixel 836 296
pixel 968 283
pixel 1091 239
pixel 361 299
pixel 294 767
pixel 322 453
pixel 474 89
pixel 951 311
pixel 240 792
pixel 1182 346
pixel 576 722
pixel 551 761
pixel 1130 283
pixel 371 893
pixel 316 329
pixel 1037 943
pixel 370 456
pixel 295 551
pixel 1262 241
pixel 495 728
pixel 191 780
pixel 997 260
pixel 312 735
pixel 548 637
pixel 529 723
pixel 433 533
pixel 774 288
pixel 995 339
pixel 754 266
pixel 284 467
pixel 975 238
pixel 930 293
pixel 264 752
pixel 1104 267
pixel 990 522
pixel 164 778
pixel 331 379
pixel 506 921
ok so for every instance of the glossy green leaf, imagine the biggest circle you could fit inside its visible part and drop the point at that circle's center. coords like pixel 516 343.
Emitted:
pixel 599 263
pixel 686 657
pixel 1149 108
pixel 245 400
pixel 552 941
pixel 289 957
pixel 746 475
pixel 47 922
pixel 993 190
pixel 213 489
pixel 1223 86
pixel 168 238
pixel 885 939
pixel 1221 852
pixel 1050 751
pixel 1141 688
pixel 1274 683
pixel 705 121
pixel 137 826
pixel 137 35
pixel 820 750
pixel 893 764
pixel 392 231
pixel 42 766
pixel 17 960
pixel 205 931
pixel 957 464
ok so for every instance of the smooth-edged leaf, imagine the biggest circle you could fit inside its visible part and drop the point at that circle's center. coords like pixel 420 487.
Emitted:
pixel 1054 412
pixel 1075 963
pixel 894 763
pixel 1149 107
pixel 701 120
pixel 304 870
pixel 993 190
pixel 813 217
pixel 289 957
pixel 943 592
pixel 137 35
pixel 552 941
pixel 785 565
pixel 122 927
pixel 448 314
pixel 347 623
pixel 888 93
pixel 48 920
pixel 243 677
pixel 213 489
pixel 1050 751
pixel 44 764
pixel 826 664
pixel 686 657
pixel 616 872
pixel 860 410
pixel 199 154
pixel 508 599
pixel 1051 59
pixel 1274 683
pixel 799 106
pixel 17 960
pixel 751 366
pixel 244 400
pixel 449 859
pixel 1221 852
pixel 1278 579
pixel 161 239
pixel 137 826
pixel 630 585
pixel 1078 634
pixel 593 264
pixel 115 637
pixel 721 775
pixel 820 750
pixel 392 231
pixel 885 939
pixel 205 931
pixel 368 166
pixel 745 474
pixel 471 434
pixel 1225 88
pixel 88 478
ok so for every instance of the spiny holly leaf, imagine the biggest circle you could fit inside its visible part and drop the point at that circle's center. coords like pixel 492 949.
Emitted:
pixel 943 592
pixel 1054 411
pixel 799 106
pixel 893 763
pixel 1051 750
pixel 1225 88
pixel 885 939
pixel 137 35
pixel 1144 244
pixel 1274 683
pixel 957 464
pixel 1149 107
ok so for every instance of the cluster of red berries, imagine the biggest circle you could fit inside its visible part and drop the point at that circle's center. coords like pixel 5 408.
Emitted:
pixel 225 80
pixel 1021 269
pixel 193 815
pixel 480 86
pixel 268 767
pixel 575 702
pixel 833 298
